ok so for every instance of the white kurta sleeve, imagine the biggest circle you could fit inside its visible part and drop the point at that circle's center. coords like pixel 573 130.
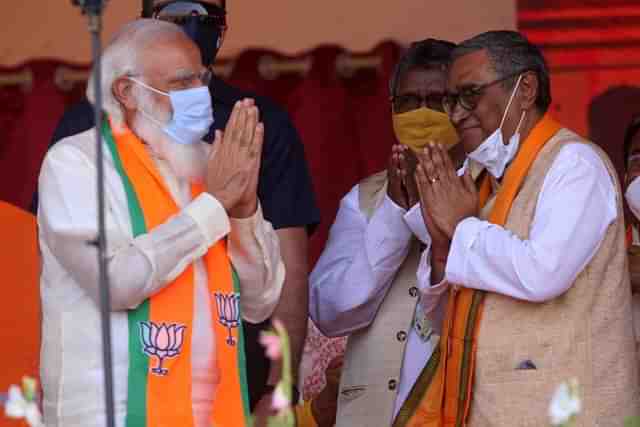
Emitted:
pixel 415 222
pixel 137 267
pixel 357 266
pixel 254 250
pixel 576 205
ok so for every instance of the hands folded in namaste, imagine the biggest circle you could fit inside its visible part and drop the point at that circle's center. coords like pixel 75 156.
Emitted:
pixel 430 178
pixel 234 161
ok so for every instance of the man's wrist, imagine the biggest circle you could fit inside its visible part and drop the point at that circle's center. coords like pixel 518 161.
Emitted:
pixel 455 225
pixel 244 210
pixel 439 254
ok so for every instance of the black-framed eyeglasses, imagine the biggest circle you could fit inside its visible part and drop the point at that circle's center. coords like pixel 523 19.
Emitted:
pixel 412 101
pixel 469 98
pixel 178 11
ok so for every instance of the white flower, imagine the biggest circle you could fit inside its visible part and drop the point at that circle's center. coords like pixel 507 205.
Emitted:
pixel 565 403
pixel 17 406
pixel 33 417
pixel 280 400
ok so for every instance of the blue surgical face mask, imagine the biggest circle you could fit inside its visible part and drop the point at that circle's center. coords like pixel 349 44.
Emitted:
pixel 192 113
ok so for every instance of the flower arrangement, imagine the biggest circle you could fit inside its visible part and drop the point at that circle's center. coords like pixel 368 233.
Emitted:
pixel 22 402
pixel 276 343
pixel 565 404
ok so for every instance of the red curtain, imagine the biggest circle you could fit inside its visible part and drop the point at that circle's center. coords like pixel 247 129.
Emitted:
pixel 343 117
pixel 32 99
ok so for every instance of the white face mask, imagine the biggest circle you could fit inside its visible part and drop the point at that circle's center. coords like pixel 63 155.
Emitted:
pixel 493 153
pixel 633 197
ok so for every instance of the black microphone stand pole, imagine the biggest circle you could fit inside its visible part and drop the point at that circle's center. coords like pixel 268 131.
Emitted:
pixel 147 8
pixel 93 9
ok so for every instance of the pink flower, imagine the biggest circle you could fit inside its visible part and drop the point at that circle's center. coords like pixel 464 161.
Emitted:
pixel 278 326
pixel 273 345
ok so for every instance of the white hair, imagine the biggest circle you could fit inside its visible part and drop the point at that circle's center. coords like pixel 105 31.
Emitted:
pixel 122 57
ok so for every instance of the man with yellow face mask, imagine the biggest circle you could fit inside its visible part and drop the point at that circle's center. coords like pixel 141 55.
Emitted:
pixel 364 284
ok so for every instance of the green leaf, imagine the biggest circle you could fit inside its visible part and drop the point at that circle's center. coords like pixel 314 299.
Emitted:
pixel 632 422
pixel 29 388
pixel 284 419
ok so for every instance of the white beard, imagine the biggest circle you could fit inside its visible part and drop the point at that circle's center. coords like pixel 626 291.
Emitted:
pixel 187 161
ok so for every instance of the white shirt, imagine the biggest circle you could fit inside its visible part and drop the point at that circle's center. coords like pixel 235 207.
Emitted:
pixel 576 205
pixel 71 358
pixel 357 266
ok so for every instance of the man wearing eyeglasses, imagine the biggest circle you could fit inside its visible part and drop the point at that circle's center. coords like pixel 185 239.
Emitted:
pixel 189 256
pixel 284 187
pixel 364 284
pixel 535 288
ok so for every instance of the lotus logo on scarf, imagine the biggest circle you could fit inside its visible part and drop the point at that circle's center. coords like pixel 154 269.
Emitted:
pixel 228 312
pixel 163 342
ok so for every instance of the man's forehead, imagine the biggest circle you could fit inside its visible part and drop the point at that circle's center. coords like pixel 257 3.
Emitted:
pixel 471 69
pixel 165 56
pixel 421 80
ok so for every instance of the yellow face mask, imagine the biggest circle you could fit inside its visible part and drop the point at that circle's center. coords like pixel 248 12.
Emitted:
pixel 418 127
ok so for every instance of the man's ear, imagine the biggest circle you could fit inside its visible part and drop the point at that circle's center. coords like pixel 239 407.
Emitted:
pixel 122 90
pixel 529 87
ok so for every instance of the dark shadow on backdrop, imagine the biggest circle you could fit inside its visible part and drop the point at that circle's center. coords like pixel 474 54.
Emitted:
pixel 609 115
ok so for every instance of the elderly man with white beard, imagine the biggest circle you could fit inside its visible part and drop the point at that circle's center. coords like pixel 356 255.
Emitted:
pixel 189 252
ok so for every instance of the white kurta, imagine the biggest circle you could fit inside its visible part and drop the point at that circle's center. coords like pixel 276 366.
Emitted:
pixel 575 207
pixel 71 358
pixel 358 264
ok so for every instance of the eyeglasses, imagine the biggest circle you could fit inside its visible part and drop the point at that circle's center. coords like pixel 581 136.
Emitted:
pixel 187 80
pixel 179 11
pixel 204 76
pixel 469 98
pixel 411 101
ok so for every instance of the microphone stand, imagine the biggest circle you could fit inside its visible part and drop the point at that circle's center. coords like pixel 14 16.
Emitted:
pixel 147 8
pixel 93 9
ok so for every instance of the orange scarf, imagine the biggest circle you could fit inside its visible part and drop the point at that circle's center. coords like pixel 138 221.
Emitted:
pixel 442 394
pixel 160 329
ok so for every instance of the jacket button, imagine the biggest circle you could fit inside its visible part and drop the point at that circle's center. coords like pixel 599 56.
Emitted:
pixel 402 335
pixel 413 291
pixel 393 384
